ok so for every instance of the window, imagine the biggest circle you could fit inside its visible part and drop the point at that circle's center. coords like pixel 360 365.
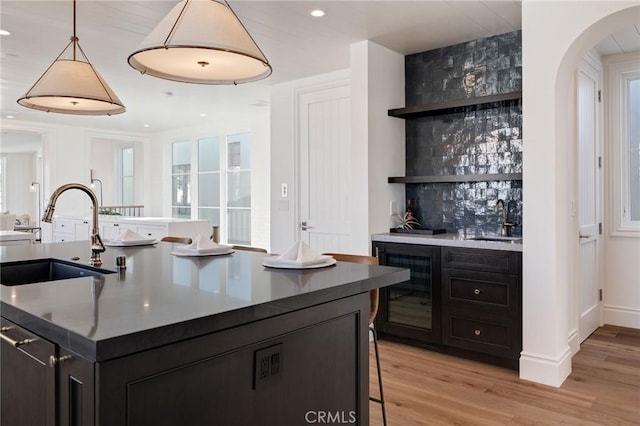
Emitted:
pixel 126 177
pixel 624 139
pixel 239 189
pixel 209 180
pixel 3 186
pixel 221 174
pixel 181 180
pixel 633 121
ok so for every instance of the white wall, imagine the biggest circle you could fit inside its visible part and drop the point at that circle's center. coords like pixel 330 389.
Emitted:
pixel 255 122
pixel 104 163
pixel 377 84
pixel 66 158
pixel 284 156
pixel 376 76
pixel 556 35
pixel 20 173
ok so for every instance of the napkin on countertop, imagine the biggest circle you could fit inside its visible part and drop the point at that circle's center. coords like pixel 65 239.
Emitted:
pixel 203 245
pixel 299 255
pixel 129 236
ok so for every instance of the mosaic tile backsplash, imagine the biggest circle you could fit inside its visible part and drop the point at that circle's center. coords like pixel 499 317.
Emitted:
pixel 485 141
pixel 486 66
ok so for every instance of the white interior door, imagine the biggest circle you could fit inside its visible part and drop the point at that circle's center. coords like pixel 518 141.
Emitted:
pixel 324 211
pixel 589 166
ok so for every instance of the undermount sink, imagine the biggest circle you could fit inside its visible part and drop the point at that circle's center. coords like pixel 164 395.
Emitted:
pixel 43 270
pixel 499 239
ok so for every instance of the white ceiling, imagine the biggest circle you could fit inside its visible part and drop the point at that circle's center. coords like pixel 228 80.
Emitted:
pixel 622 41
pixel 296 45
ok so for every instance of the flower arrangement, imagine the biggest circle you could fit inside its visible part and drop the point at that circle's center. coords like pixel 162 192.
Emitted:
pixel 405 221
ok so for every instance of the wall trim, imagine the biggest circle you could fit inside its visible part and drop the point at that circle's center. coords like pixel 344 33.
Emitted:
pixel 544 370
pixel 574 342
pixel 622 316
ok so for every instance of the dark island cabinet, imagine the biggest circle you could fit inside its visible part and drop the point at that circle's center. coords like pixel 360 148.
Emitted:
pixel 287 369
pixel 41 383
pixel 410 309
pixel 481 303
pixel 27 381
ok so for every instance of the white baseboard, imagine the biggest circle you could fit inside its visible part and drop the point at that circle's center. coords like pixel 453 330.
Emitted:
pixel 547 371
pixel 574 342
pixel 621 316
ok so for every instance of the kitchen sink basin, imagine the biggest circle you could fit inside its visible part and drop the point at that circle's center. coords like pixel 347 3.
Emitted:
pixel 43 270
pixel 500 239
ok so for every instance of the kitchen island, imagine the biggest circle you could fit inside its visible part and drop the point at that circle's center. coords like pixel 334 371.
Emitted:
pixel 187 340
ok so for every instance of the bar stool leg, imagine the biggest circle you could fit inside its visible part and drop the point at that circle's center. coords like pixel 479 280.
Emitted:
pixel 381 400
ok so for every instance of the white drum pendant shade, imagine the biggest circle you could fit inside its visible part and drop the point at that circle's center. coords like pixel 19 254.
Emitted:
pixel 201 41
pixel 72 87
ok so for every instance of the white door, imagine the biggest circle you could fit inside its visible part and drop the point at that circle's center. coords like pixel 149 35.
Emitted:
pixel 324 130
pixel 589 167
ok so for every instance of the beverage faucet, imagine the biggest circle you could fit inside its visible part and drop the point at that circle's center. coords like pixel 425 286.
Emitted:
pixel 506 226
pixel 96 242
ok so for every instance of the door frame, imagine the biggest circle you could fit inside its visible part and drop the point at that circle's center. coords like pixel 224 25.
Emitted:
pixel 575 335
pixel 297 172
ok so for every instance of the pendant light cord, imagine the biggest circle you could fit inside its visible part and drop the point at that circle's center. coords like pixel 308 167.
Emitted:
pixel 74 39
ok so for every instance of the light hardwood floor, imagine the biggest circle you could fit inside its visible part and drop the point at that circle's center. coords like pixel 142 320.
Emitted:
pixel 428 388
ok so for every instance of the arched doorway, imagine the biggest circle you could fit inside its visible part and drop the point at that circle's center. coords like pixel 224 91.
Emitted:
pixel 556 35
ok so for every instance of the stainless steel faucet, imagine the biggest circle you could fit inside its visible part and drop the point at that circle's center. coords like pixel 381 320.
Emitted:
pixel 506 226
pixel 96 242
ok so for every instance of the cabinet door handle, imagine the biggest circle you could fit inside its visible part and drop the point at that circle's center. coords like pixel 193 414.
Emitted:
pixel 477 291
pixel 477 332
pixel 53 361
pixel 14 343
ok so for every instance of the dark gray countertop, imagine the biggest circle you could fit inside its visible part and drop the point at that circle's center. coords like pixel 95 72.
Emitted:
pixel 162 298
pixel 448 240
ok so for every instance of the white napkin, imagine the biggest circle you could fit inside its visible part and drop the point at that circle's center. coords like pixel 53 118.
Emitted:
pixel 203 245
pixel 129 236
pixel 299 255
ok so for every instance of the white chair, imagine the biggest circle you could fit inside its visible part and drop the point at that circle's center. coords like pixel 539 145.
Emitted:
pixel 7 222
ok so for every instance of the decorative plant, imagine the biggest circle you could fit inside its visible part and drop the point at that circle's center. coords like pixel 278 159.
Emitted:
pixel 405 221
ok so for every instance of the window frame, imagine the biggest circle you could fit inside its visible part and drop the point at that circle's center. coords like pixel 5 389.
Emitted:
pixel 3 183
pixel 190 174
pixel 121 176
pixel 621 69
pixel 194 173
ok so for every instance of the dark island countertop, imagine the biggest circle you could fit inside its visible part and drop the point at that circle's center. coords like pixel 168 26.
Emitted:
pixel 161 299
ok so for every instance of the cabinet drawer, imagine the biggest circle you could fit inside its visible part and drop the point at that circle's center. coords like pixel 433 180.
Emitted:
pixel 156 232
pixel 109 231
pixel 480 334
pixel 480 288
pixel 506 262
pixel 60 237
pixel 64 226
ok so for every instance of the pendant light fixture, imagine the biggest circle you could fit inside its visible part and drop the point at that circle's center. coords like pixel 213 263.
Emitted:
pixel 201 41
pixel 72 86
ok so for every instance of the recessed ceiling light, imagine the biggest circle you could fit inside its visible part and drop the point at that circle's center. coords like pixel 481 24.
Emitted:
pixel 145 125
pixel 203 115
pixel 4 32
pixel 10 116
pixel 317 13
